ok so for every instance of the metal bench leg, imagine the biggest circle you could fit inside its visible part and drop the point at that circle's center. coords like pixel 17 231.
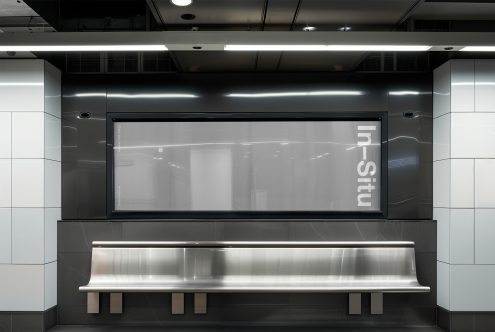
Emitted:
pixel 115 303
pixel 200 300
pixel 93 303
pixel 377 303
pixel 177 303
pixel 354 303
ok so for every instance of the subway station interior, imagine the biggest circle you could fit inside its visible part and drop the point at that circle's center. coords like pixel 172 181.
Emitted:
pixel 247 165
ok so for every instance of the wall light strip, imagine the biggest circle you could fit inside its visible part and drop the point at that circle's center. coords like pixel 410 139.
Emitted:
pixel 80 48
pixel 295 94
pixel 404 93
pixel 357 48
pixel 151 95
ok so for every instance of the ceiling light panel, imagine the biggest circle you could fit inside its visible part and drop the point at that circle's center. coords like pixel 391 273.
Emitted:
pixel 356 48
pixel 80 48
pixel 478 49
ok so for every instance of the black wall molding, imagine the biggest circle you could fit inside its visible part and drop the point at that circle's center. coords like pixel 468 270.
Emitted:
pixel 28 321
pixel 464 321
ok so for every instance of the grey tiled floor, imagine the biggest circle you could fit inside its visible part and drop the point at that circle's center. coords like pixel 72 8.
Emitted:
pixel 71 328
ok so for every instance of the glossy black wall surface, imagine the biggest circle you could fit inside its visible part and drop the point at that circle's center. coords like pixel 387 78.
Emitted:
pixel 406 98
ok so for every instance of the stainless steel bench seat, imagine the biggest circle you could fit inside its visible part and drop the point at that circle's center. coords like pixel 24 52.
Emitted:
pixel 253 267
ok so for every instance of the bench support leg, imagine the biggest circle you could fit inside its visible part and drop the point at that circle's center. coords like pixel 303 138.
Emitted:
pixel 200 301
pixel 115 303
pixel 354 303
pixel 93 303
pixel 377 303
pixel 177 303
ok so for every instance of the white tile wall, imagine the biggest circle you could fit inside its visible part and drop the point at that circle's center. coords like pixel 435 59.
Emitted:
pixel 52 133
pixel 28 230
pixel 462 183
pixel 52 215
pixel 441 90
pixel 485 236
pixel 27 182
pixel 52 91
pixel 22 288
pixel 485 85
pixel 441 183
pixel 28 135
pixel 50 279
pixel 5 183
pixel 462 90
pixel 443 285
pixel 471 288
pixel 462 236
pixel 464 151
pixel 473 135
pixel 5 134
pixel 441 137
pixel 22 85
pixel 442 216
pixel 5 236
pixel 485 183
pixel 52 183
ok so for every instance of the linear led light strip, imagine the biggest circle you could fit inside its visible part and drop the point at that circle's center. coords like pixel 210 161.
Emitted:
pixel 81 48
pixel 234 47
pixel 478 49
pixel 326 48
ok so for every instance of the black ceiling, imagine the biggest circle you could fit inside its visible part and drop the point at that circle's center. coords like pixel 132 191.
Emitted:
pixel 286 15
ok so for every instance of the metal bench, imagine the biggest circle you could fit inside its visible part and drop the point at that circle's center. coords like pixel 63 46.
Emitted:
pixel 250 267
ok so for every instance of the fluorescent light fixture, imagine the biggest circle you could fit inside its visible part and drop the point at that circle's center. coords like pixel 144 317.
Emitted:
pixel 151 95
pixel 181 3
pixel 385 48
pixel 275 48
pixel 21 84
pixel 80 48
pixel 296 94
pixel 478 49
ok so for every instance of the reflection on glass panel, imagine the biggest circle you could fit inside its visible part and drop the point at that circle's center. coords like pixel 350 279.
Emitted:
pixel 247 166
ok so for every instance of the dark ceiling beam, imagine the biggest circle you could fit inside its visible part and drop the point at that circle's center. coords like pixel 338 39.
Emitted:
pixel 155 12
pixel 396 26
pixel 216 40
pixel 48 9
pixel 408 13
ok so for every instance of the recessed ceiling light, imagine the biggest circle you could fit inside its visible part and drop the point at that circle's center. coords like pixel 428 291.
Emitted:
pixel 188 17
pixel 345 28
pixel 80 48
pixel 307 28
pixel 181 3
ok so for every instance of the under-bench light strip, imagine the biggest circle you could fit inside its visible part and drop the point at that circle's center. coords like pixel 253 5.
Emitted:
pixel 80 48
pixel 370 48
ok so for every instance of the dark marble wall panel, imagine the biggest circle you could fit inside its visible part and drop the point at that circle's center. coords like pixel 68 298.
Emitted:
pixel 84 196
pixel 406 98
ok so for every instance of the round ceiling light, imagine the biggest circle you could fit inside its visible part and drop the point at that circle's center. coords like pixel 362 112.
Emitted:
pixel 307 28
pixel 181 3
